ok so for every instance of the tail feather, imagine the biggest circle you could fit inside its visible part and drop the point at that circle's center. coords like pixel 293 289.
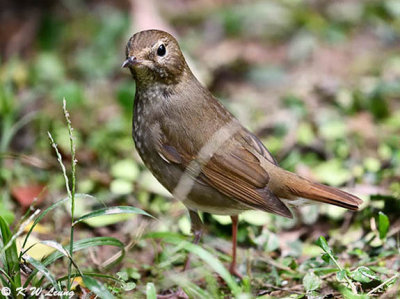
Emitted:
pixel 301 187
pixel 326 194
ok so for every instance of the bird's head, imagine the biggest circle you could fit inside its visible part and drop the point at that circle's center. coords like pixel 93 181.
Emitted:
pixel 154 56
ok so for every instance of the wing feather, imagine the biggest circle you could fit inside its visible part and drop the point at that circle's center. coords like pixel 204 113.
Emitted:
pixel 235 172
pixel 243 181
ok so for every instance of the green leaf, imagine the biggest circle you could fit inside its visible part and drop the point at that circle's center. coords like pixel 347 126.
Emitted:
pixel 321 242
pixel 326 258
pixel 128 273
pixel 112 211
pixel 383 225
pixel 363 275
pixel 96 287
pixel 311 282
pixel 341 275
pixel 8 244
pixel 42 269
pixel 9 256
pixel 349 294
pixel 128 286
pixel 7 215
pixel 151 291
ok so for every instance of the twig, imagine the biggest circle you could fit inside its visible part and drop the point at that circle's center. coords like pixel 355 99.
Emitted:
pixel 383 284
pixel 290 290
pixel 272 262
pixel 59 159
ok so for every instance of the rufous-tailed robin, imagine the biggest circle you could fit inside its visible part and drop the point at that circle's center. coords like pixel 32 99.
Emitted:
pixel 199 151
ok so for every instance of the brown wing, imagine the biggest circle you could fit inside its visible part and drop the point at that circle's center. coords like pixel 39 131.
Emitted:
pixel 251 140
pixel 237 173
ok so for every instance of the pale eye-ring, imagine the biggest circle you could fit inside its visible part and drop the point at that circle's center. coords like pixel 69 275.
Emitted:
pixel 161 50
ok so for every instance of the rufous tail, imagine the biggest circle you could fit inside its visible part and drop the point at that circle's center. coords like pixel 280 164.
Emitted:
pixel 302 187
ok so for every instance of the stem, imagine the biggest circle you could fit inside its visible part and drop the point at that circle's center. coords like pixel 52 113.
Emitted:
pixel 72 194
pixel 353 287
pixel 383 284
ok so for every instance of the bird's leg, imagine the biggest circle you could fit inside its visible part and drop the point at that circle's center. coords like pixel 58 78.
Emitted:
pixel 232 267
pixel 197 230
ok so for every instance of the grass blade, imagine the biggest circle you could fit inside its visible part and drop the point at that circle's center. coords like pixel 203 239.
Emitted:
pixel 40 217
pixel 52 207
pixel 62 250
pixel 203 254
pixel 56 246
pixel 10 257
pixel 78 245
pixel 42 269
pixel 214 263
pixel 112 211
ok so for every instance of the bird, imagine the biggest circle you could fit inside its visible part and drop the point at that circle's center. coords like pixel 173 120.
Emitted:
pixel 199 151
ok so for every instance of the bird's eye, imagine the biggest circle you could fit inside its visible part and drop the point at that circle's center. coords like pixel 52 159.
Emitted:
pixel 161 50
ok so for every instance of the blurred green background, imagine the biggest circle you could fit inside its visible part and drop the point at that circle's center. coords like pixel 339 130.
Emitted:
pixel 318 81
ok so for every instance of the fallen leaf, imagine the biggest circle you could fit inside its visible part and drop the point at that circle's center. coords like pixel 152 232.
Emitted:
pixel 39 228
pixel 26 194
pixel 37 250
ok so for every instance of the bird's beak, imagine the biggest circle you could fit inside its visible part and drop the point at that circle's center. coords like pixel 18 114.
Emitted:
pixel 130 61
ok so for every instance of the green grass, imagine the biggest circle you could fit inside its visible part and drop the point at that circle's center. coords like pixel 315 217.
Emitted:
pixel 41 277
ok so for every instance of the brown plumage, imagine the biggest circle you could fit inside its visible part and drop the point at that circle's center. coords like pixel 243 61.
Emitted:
pixel 198 150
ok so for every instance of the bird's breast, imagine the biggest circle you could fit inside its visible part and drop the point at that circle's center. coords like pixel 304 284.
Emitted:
pixel 146 134
pixel 143 121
